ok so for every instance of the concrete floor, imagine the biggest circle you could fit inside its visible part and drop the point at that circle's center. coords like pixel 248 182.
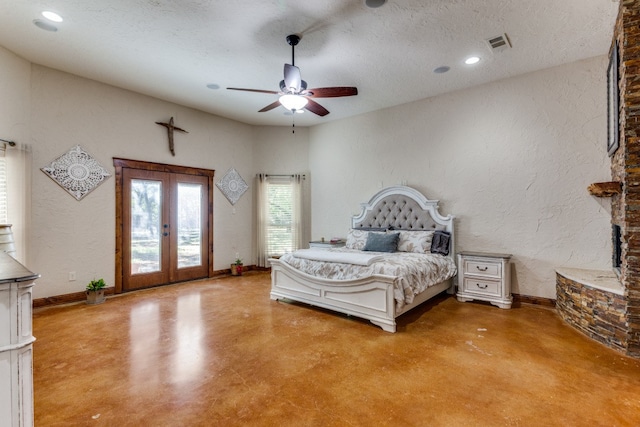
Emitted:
pixel 221 353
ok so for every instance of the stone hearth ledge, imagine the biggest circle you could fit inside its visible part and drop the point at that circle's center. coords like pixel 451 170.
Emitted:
pixel 604 280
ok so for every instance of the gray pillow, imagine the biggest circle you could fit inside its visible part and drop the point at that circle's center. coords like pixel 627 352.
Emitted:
pixel 382 242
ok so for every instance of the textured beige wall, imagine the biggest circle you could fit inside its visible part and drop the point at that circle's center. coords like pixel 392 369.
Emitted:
pixel 511 159
pixel 278 150
pixel 50 111
pixel 69 235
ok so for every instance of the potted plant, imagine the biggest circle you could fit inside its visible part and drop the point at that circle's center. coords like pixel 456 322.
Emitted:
pixel 236 267
pixel 95 291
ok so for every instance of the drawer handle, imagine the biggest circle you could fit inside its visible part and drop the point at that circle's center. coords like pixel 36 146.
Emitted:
pixel 482 269
pixel 482 287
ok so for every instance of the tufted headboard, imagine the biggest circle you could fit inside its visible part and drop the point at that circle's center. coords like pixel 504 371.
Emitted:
pixel 403 208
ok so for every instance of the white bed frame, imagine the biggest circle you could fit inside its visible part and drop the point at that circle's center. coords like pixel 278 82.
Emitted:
pixel 371 297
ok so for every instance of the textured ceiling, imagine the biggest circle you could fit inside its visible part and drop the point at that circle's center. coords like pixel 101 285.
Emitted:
pixel 172 49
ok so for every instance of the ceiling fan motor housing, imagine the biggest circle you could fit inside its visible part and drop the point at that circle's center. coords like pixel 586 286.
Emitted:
pixel 284 89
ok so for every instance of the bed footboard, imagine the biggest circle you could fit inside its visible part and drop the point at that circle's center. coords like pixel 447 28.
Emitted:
pixel 370 298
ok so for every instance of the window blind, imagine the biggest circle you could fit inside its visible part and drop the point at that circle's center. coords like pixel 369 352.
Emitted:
pixel 280 226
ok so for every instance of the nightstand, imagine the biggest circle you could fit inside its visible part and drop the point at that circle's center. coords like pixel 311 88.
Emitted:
pixel 326 244
pixel 485 277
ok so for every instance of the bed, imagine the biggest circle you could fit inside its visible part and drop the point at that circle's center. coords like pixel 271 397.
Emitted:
pixel 378 287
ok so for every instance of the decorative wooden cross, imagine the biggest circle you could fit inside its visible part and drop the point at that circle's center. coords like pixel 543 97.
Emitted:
pixel 170 128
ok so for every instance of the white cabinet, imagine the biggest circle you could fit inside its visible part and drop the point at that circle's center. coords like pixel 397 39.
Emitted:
pixel 16 349
pixel 485 277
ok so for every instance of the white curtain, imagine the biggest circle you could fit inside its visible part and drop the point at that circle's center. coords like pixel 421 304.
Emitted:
pixel 262 203
pixel 17 158
pixel 297 214
pixel 280 217
pixel 4 207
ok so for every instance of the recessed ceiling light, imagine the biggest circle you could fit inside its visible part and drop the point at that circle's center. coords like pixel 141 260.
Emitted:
pixel 374 3
pixel 441 70
pixel 472 60
pixel 213 86
pixel 44 25
pixel 52 16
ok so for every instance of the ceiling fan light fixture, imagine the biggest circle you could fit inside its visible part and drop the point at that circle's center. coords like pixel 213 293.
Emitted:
pixel 293 90
pixel 293 102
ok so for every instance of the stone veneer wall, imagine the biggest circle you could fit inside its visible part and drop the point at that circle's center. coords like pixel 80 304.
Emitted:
pixel 595 312
pixel 598 314
pixel 625 166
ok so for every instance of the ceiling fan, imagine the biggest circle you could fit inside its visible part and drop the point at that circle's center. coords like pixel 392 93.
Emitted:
pixel 294 95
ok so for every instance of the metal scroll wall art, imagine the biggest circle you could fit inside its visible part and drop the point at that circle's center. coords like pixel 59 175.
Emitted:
pixel 232 186
pixel 77 172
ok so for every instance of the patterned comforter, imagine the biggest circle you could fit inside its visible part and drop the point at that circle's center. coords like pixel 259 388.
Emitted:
pixel 414 272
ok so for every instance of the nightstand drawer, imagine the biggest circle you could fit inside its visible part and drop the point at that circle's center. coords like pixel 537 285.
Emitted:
pixel 486 277
pixel 480 286
pixel 483 268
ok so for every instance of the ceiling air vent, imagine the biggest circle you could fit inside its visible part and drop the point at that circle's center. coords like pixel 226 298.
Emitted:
pixel 499 43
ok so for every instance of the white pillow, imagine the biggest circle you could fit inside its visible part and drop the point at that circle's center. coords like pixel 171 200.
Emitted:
pixel 356 239
pixel 415 241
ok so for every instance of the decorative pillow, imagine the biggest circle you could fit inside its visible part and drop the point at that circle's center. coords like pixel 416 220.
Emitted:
pixel 415 241
pixel 382 242
pixel 356 239
pixel 440 242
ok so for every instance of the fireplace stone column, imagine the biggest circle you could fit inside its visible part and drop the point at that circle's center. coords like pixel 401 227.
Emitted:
pixel 625 166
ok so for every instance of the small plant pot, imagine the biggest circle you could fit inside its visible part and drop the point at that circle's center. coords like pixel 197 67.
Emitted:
pixel 95 297
pixel 236 269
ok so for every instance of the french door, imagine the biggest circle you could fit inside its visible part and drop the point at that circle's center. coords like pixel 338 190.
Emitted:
pixel 166 220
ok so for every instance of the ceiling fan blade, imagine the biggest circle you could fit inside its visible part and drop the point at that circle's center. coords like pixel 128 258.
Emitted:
pixel 254 90
pixel 316 108
pixel 292 78
pixel 332 92
pixel 270 107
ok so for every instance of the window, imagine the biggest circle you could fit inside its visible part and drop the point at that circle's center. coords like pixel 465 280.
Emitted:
pixel 280 227
pixel 279 215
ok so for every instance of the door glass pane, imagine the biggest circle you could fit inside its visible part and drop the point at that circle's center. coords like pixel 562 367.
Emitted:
pixel 189 225
pixel 145 225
